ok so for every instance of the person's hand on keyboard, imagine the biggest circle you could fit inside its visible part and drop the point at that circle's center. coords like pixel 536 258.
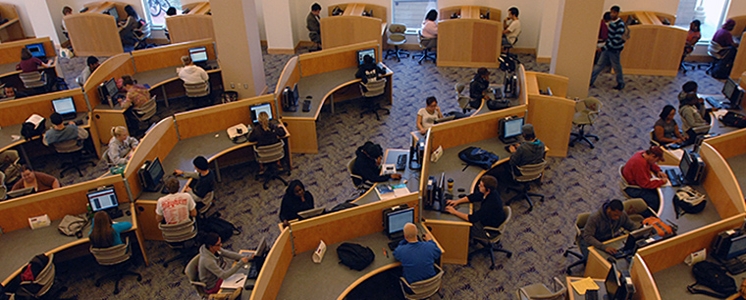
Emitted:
pixel 611 250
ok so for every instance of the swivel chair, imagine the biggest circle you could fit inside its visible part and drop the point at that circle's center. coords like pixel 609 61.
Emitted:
pixel 623 184
pixel 491 242
pixel 637 209
pixel 422 289
pixel 73 150
pixel 717 52
pixel 539 291
pixel 34 80
pixel 269 155
pixel 144 114
pixel 586 113
pixel 370 91
pixel 361 185
pixel 3 187
pixel 208 201
pixel 198 93
pixel 529 173
pixel 580 222
pixel 180 237
pixel 653 142
pixel 117 258
pixel 192 273
pixel 9 165
pixel 463 100
pixel 426 44
pixel 396 39
pixel 142 34
pixel 41 286
pixel 508 46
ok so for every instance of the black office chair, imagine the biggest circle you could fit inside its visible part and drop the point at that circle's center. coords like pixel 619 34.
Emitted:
pixel 491 241
pixel 579 225
pixel 529 174
pixel 269 155
pixel 42 287
pixel 370 91
pixel 117 258
pixel 73 151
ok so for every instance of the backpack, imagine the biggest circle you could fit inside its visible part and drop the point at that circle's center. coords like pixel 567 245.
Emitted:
pixel 217 225
pixel 661 229
pixel 734 119
pixel 497 104
pixel 688 200
pixel 714 277
pixel 355 256
pixel 475 156
pixel 29 130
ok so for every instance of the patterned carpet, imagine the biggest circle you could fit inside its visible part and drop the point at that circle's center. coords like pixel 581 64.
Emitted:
pixel 578 183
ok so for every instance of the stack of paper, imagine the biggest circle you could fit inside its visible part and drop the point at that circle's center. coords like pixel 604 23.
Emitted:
pixel 235 281
pixel 583 285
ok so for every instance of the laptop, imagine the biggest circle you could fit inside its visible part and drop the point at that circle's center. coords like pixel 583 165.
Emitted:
pixel 65 107
pixel 20 193
pixel 630 245
pixel 307 214
pixel 444 119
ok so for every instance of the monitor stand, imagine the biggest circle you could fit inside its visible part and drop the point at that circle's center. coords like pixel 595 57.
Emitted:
pixel 509 141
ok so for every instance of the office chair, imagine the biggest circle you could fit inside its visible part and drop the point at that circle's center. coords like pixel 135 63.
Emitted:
pixel 422 289
pixel 142 34
pixel 3 187
pixel 653 142
pixel 684 64
pixel 208 203
pixel 73 150
pixel 34 80
pixel 637 209
pixel 508 46
pixel 717 52
pixel 371 90
pixel 9 165
pixel 623 184
pixel 144 114
pixel 269 155
pixel 579 225
pixel 79 81
pixel 117 258
pixel 396 39
pixel 586 112
pixel 539 291
pixel 529 173
pixel 491 242
pixel 199 93
pixel 463 100
pixel 361 185
pixel 180 237
pixel 192 273
pixel 426 44
pixel 41 286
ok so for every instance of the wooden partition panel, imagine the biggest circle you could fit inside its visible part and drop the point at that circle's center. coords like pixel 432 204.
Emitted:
pixel 223 116
pixel 344 225
pixel 12 29
pixel 739 63
pixel 740 24
pixel 469 43
pixel 446 12
pixel 347 30
pixel 472 129
pixel 17 111
pixel 653 50
pixel 289 77
pixel 114 67
pixel 145 211
pixel 93 34
pixel 642 279
pixel 10 52
pixel 729 144
pixel 168 56
pixel 552 119
pixel 186 28
pixel 56 203
pixel 158 142
pixel 333 59
pixel 557 83
pixel 275 267
pixel 721 185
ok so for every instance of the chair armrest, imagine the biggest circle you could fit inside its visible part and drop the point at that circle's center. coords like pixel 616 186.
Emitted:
pixel 198 283
pixel 557 284
pixel 494 231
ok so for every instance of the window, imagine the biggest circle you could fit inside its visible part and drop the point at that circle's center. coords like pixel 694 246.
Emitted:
pixel 711 13
pixel 155 11
pixel 412 12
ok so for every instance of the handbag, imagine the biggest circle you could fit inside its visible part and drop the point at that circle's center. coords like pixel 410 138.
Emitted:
pixel 72 225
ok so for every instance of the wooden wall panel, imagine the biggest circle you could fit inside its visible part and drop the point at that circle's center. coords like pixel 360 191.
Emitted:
pixel 146 220
pixel 334 59
pixel 469 130
pixel 275 267
pixel 347 30
pixel 729 144
pixel 739 63
pixel 653 50
pixel 721 185
pixel 10 52
pixel 552 119
pixel 169 56
pixel 157 143
pixel 222 116
pixel 469 43
pixel 557 83
pixel 93 34
pixel 645 287
pixel 289 77
pixel 17 111
pixel 187 28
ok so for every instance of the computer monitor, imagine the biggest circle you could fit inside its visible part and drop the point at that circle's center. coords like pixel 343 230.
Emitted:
pixel 613 283
pixel 510 129
pixel 363 53
pixel 102 199
pixel 689 166
pixel 151 173
pixel 394 222
pixel 198 54
pixel 111 87
pixel 37 50
pixel 733 92
pixel 113 12
pixel 257 109
pixel 65 107
pixel 737 247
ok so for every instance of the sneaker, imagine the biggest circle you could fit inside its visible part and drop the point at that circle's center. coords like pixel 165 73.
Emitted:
pixel 618 87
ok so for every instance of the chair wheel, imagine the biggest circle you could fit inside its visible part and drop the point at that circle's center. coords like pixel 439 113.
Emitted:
pixel 568 271
pixel 565 254
pixel 510 255
pixel 492 267
pixel 116 292
pixel 139 278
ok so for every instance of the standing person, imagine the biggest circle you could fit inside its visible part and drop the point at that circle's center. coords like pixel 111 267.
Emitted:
pixel 604 225
pixel 66 11
pixel 213 266
pixel 175 207
pixel 429 29
pixel 512 27
pixel 91 65
pixel 266 133
pixel 665 130
pixel 491 212
pixel 417 258
pixel 639 171
pixel 203 180
pixel 104 233
pixel 427 115
pixel 611 51
pixel 603 35
pixel 295 200
pixel 478 86
pixel 121 146
pixel 314 26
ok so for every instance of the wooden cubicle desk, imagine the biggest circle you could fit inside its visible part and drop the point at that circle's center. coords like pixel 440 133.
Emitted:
pixel 10 56
pixel 11 30
pixel 469 12
pixel 543 110
pixel 190 27
pixel 347 30
pixel 104 116
pixel 729 144
pixel 145 210
pixel 469 41
pixel 158 142
pixel 169 56
pixel 739 63
pixel 101 7
pixel 356 9
pixel 721 184
pixel 18 110
pixel 93 34
pixel 653 48
pixel 196 8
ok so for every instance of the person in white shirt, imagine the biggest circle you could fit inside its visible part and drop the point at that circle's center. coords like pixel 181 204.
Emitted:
pixel 426 116
pixel 430 25
pixel 191 73
pixel 512 27
pixel 93 64
pixel 121 146
pixel 175 207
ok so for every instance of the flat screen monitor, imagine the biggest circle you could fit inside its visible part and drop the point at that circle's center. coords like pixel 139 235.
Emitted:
pixel 37 50
pixel 363 53
pixel 64 106
pixel 737 247
pixel 103 199
pixel 151 173
pixel 733 92
pixel 512 128
pixel 156 171
pixel 198 54
pixel 396 220
pixel 257 109
pixel 612 283
pixel 113 12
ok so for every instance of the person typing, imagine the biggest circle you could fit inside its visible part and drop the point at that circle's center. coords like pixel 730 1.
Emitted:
pixel 491 212
pixel 604 225
pixel 214 265
pixel 417 257
pixel 175 207
pixel 368 163
pixel 203 180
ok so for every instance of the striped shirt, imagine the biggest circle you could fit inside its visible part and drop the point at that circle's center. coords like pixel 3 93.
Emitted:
pixel 616 31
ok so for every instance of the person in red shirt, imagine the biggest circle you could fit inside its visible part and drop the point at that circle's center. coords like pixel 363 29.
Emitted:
pixel 642 170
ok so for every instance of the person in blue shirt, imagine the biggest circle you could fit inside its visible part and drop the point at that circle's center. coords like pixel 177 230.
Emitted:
pixel 105 233
pixel 417 257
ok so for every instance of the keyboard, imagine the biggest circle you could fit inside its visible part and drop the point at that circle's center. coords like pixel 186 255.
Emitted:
pixel 736 265
pixel 395 243
pixel 714 103
pixel 674 176
pixel 507 148
pixel 401 162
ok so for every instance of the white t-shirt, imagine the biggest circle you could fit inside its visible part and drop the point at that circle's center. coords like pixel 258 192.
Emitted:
pixel 514 27
pixel 428 120
pixel 175 208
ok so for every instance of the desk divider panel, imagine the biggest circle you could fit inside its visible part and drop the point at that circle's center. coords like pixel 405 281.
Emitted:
pixel 17 111
pixel 740 23
pixel 10 52
pixel 113 67
pixel 186 28
pixel 169 56
pixel 145 211
pixel 739 63
pixel 158 142
pixel 12 29
pixel 552 118
pixel 446 12
pixel 721 185
pixel 93 34
pixel 670 252
pixel 653 50
pixel 542 81
pixel 347 30
pixel 642 279
pixel 469 43
pixel 221 117
pixel 332 59
pixel 346 224
pixel 289 77
pixel 67 200
pixel 729 144
pixel 469 130
pixel 275 267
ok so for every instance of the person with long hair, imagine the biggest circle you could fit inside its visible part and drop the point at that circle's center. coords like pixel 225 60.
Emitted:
pixel 266 133
pixel 105 233
pixel 296 199
pixel 430 25
pixel 29 63
pixel 121 146
pixel 127 29
pixel 665 130
pixel 427 115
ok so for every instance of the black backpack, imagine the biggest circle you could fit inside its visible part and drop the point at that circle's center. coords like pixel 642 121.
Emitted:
pixel 497 104
pixel 689 201
pixel 734 119
pixel 355 256
pixel 475 156
pixel 217 225
pixel 29 131
pixel 714 277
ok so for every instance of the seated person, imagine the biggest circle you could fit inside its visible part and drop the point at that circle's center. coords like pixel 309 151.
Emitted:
pixel 369 70
pixel 429 29
pixel 314 26
pixel 175 207
pixel 530 151
pixel 105 233
pixel 295 200
pixel 128 27
pixel 723 37
pixel 266 133
pixel 368 164
pixel 213 267
pixel 37 180
pixel 203 180
pixel 66 11
pixel 603 225
pixel 639 171
pixel 417 258
pixel 137 96
pixel 191 73
pixel 512 27
pixel 691 120
pixel 121 146
pixel 691 87
pixel 426 116
pixel 170 12
pixel 60 132
pixel 29 63
pixel 692 37
pixel 91 65
pixel 665 130
pixel 10 93
pixel 491 212
pixel 478 88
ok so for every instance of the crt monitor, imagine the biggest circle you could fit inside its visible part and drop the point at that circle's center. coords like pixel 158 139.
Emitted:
pixel 113 12
pixel 511 129
pixel 151 174
pixel 198 54
pixel 103 199
pixel 396 220
pixel 37 50
pixel 737 247
pixel 363 53
pixel 257 109
pixel 733 92
pixel 64 106
pixel 111 87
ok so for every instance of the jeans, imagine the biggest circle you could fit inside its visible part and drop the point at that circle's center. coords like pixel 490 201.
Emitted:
pixel 649 195
pixel 609 58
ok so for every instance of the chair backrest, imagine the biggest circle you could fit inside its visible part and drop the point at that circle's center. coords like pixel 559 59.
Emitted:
pixel 559 292
pixel 45 278
pixel 79 81
pixel 143 32
pixel 197 89
pixel 207 201
pixel 715 50
pixel 423 41
pixel 495 233
pixel 270 153
pixel 588 108
pixel 624 184
pixel 580 222
pixel 112 255
pixel 424 288
pixel 32 79
pixel 653 142
pixel 357 180
pixel 530 172
pixel 635 206
pixel 3 187
pixel 373 88
pixel 397 28
pixel 68 146
pixel 192 273
pixel 147 110
pixel 176 233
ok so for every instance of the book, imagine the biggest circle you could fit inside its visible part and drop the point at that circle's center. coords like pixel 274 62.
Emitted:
pixel 384 191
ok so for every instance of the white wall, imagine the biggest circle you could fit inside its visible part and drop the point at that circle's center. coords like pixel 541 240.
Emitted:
pixel 664 6
pixel 547 29
pixel 55 11
pixel 299 9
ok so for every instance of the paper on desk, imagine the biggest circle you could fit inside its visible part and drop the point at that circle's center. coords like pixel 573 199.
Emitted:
pixel 15 137
pixel 678 153
pixel 400 190
pixel 235 281
pixel 720 113
pixel 583 285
